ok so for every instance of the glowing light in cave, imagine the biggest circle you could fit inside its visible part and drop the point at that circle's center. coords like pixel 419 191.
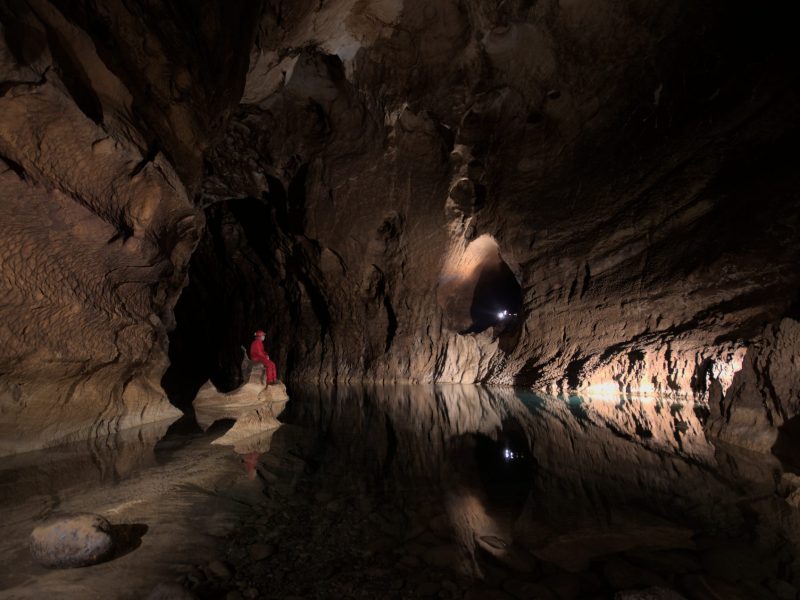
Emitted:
pixel 477 288
pixel 509 455
pixel 611 389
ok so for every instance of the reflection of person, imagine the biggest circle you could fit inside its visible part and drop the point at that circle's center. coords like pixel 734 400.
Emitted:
pixel 258 354
pixel 250 461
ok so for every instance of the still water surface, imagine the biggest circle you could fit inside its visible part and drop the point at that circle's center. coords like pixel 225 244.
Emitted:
pixel 440 491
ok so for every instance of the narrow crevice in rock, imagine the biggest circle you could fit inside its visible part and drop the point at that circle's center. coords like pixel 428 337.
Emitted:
pixel 153 149
pixel 15 166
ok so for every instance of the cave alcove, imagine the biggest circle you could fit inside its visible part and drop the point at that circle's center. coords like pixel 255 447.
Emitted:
pixel 224 301
pixel 787 444
pixel 478 290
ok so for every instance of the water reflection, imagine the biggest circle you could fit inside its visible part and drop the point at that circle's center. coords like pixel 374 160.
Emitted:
pixel 518 479
pixel 180 490
pixel 100 460
pixel 578 496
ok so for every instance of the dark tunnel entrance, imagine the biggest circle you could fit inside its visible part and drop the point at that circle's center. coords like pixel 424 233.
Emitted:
pixel 787 444
pixel 497 298
pixel 224 301
pixel 479 290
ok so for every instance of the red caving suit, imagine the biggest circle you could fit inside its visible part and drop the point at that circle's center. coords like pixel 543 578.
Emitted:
pixel 258 354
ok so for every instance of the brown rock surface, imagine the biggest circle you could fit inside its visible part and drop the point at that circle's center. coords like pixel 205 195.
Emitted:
pixel 765 395
pixel 334 164
pixel 366 160
pixel 254 406
pixel 97 152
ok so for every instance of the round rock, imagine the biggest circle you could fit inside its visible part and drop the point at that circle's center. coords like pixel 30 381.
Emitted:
pixel 73 540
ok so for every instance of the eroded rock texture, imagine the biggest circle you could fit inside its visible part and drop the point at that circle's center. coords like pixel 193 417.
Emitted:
pixel 764 398
pixel 630 161
pixel 104 114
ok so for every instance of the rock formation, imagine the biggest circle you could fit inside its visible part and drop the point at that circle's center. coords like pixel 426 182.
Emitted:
pixel 72 541
pixel 421 133
pixel 361 178
pixel 764 397
pixel 102 128
pixel 254 407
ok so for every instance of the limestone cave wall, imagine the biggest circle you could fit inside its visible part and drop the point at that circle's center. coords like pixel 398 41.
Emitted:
pixel 370 181
pixel 632 162
pixel 105 111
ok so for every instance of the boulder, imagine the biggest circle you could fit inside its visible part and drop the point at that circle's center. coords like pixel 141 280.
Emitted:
pixel 73 540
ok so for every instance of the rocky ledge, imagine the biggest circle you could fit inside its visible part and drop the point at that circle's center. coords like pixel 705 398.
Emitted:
pixel 254 407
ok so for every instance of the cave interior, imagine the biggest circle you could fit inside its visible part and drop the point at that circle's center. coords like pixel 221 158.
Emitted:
pixel 527 271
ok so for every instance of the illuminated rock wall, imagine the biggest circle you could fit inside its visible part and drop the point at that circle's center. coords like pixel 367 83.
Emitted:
pixel 101 136
pixel 633 172
pixel 331 163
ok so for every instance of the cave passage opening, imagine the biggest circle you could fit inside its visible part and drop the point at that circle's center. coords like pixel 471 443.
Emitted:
pixel 227 298
pixel 478 289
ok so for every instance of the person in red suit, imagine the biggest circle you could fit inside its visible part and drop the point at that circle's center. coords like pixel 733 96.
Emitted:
pixel 258 354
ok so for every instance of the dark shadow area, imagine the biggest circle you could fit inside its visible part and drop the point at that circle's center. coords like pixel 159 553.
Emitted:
pixel 186 425
pixel 505 467
pixel 215 313
pixel 220 427
pixel 787 446
pixel 127 538
pixel 497 300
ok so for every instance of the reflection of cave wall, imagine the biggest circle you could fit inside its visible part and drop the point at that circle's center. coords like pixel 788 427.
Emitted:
pixel 610 468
